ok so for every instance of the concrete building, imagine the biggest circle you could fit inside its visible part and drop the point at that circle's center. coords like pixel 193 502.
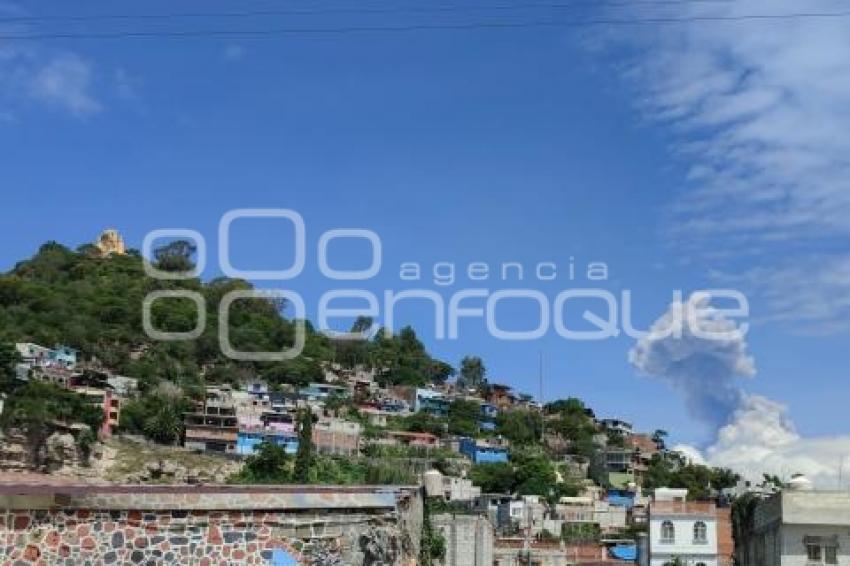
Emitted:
pixel 213 424
pixel 336 437
pixel 616 426
pixel 500 396
pixel 417 439
pixel 586 510
pixel 460 489
pixel 515 552
pixel 32 354
pixel 469 539
pixel 321 391
pixel 108 402
pixel 681 529
pixel 122 385
pixel 798 527
pixel 526 515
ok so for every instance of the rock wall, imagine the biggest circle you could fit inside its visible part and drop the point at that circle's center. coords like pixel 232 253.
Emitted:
pixel 66 534
pixel 74 537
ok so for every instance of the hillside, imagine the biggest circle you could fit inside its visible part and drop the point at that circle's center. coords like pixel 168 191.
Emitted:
pixel 94 304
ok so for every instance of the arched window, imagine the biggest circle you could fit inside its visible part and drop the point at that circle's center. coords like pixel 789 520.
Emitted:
pixel 700 532
pixel 668 531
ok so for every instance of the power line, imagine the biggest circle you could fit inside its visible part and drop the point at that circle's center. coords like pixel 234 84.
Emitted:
pixel 191 34
pixel 355 11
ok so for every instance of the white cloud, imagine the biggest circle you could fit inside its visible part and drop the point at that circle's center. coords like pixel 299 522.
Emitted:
pixel 32 73
pixel 691 453
pixel 759 111
pixel 753 434
pixel 65 81
pixel 810 295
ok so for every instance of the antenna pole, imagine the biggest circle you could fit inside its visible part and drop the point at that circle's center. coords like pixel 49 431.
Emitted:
pixel 540 397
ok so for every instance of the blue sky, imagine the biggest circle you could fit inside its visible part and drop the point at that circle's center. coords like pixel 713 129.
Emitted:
pixel 528 145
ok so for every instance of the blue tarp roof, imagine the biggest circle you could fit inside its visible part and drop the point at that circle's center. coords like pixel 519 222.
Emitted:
pixel 621 500
pixel 624 552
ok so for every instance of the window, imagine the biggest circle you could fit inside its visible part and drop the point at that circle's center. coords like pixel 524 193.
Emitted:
pixel 813 552
pixel 830 554
pixel 700 564
pixel 700 532
pixel 668 532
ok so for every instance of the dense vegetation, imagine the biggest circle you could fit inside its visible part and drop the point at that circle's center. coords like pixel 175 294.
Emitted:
pixel 530 472
pixel 94 304
pixel 671 469
pixel 272 465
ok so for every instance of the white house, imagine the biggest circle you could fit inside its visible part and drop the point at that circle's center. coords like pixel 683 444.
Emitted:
pixel 681 529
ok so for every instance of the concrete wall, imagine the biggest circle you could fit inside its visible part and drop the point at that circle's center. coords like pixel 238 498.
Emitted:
pixel 206 526
pixel 785 521
pixel 469 539
pixel 792 547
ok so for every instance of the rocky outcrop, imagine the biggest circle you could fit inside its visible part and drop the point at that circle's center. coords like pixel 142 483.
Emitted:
pixel 14 455
pixel 61 451
pixel 170 472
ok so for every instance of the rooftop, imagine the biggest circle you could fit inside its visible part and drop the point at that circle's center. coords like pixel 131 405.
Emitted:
pixel 682 508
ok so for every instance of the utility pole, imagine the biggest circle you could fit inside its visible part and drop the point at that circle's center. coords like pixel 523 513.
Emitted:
pixel 540 398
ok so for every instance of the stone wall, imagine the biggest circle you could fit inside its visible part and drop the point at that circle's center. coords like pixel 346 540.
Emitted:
pixel 96 529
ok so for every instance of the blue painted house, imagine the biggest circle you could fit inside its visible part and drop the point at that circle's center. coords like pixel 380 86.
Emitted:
pixel 489 413
pixel 430 401
pixel 247 442
pixel 63 356
pixel 321 391
pixel 482 452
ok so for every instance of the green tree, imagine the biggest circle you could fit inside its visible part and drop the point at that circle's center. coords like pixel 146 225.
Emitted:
pixel 362 324
pixel 439 372
pixel 164 425
pixel 421 422
pixel 464 417
pixel 304 455
pixel 433 544
pixel 8 359
pixel 472 373
pixel 495 477
pixel 269 464
pixel 175 256
pixel 520 426
pixel 535 473
pixel 659 437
